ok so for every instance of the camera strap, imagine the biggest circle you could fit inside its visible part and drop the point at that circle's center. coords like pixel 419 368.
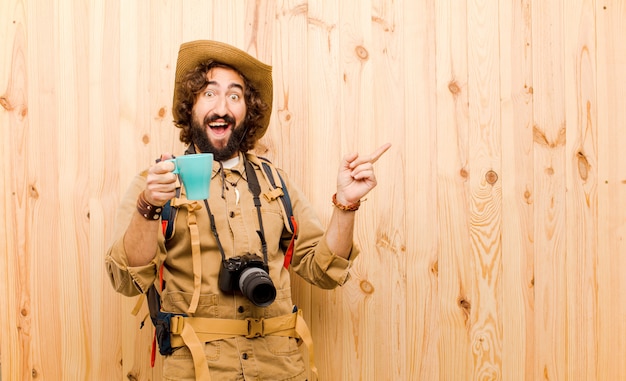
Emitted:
pixel 255 189
pixel 214 229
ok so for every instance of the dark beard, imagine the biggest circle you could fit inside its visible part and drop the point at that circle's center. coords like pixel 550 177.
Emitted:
pixel 201 140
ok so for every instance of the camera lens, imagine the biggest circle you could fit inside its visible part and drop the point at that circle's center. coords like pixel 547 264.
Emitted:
pixel 257 286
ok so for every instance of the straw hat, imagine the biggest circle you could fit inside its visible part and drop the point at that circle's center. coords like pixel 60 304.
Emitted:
pixel 256 72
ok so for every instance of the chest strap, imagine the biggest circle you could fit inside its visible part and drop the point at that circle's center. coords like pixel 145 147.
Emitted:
pixel 195 331
pixel 196 254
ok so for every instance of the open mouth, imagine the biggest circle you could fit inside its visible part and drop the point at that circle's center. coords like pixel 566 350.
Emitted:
pixel 219 127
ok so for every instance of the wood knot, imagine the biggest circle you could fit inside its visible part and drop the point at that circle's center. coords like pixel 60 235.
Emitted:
pixel 491 177
pixel 34 193
pixel 465 305
pixel 454 87
pixel 540 137
pixel 435 268
pixel 284 115
pixel 527 196
pixel 145 139
pixel 464 174
pixel 366 287
pixel 161 113
pixel 466 308
pixel 362 53
pixel 4 102
pixel 583 166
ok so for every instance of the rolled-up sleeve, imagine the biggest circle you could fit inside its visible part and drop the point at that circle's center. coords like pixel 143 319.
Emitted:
pixel 333 269
pixel 125 279
pixel 129 280
pixel 313 259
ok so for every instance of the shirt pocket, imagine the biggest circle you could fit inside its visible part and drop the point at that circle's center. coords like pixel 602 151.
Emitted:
pixel 282 346
pixel 273 225
pixel 183 354
pixel 178 302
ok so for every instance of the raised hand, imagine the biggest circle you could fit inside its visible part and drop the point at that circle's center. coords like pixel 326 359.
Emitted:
pixel 356 175
pixel 160 182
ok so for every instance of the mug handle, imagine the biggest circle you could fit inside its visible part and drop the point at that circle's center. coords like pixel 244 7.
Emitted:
pixel 175 171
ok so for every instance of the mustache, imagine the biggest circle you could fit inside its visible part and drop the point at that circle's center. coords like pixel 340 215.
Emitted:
pixel 214 117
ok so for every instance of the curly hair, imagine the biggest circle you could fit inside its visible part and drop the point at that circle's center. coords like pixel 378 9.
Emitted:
pixel 195 81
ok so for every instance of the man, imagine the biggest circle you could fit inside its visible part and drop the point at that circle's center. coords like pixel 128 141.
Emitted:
pixel 222 104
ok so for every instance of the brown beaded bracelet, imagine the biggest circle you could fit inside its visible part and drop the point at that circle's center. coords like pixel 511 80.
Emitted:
pixel 147 210
pixel 347 208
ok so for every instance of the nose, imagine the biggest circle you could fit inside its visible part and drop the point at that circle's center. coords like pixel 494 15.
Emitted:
pixel 221 106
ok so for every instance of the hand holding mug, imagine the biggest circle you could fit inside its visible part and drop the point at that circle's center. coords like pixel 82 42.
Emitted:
pixel 161 181
pixel 195 173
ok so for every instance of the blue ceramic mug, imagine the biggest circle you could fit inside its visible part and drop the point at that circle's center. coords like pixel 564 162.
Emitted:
pixel 195 172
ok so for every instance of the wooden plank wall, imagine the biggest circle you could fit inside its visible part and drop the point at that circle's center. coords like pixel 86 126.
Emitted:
pixel 493 248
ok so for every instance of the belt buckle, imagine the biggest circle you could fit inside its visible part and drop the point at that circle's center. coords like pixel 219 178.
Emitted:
pixel 255 328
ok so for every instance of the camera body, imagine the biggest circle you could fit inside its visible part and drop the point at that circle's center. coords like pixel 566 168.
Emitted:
pixel 250 275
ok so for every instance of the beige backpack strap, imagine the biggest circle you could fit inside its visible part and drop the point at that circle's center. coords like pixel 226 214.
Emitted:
pixel 274 179
pixel 302 329
pixel 138 305
pixel 196 347
pixel 196 256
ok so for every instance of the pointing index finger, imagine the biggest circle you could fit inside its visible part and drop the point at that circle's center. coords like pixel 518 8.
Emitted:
pixel 379 152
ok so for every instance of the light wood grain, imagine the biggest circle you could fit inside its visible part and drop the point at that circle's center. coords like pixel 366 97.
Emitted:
pixel 492 248
pixel 453 214
pixel 549 132
pixel 357 120
pixel 516 92
pixel 386 257
pixel 611 228
pixel 15 293
pixel 324 101
pixel 485 173
pixel 420 192
pixel 581 156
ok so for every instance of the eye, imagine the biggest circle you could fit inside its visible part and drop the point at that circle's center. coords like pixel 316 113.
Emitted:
pixel 209 93
pixel 234 97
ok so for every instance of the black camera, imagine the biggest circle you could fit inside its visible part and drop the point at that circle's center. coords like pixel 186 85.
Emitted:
pixel 248 274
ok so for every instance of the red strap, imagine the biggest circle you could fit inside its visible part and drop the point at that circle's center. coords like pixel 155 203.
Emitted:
pixel 289 252
pixel 161 278
pixel 153 353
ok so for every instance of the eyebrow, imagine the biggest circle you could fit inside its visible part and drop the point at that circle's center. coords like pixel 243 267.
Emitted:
pixel 232 85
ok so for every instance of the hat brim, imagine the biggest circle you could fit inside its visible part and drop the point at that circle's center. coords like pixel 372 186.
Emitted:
pixel 192 53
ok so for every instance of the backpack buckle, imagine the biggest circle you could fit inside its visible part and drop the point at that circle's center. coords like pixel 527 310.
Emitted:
pixel 255 328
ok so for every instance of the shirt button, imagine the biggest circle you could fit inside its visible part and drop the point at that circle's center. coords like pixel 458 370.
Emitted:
pixel 244 356
pixel 232 214
pixel 240 309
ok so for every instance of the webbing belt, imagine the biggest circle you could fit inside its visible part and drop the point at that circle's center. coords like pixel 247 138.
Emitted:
pixel 195 331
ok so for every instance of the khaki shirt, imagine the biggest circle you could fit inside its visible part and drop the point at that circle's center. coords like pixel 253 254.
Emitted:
pixel 269 357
